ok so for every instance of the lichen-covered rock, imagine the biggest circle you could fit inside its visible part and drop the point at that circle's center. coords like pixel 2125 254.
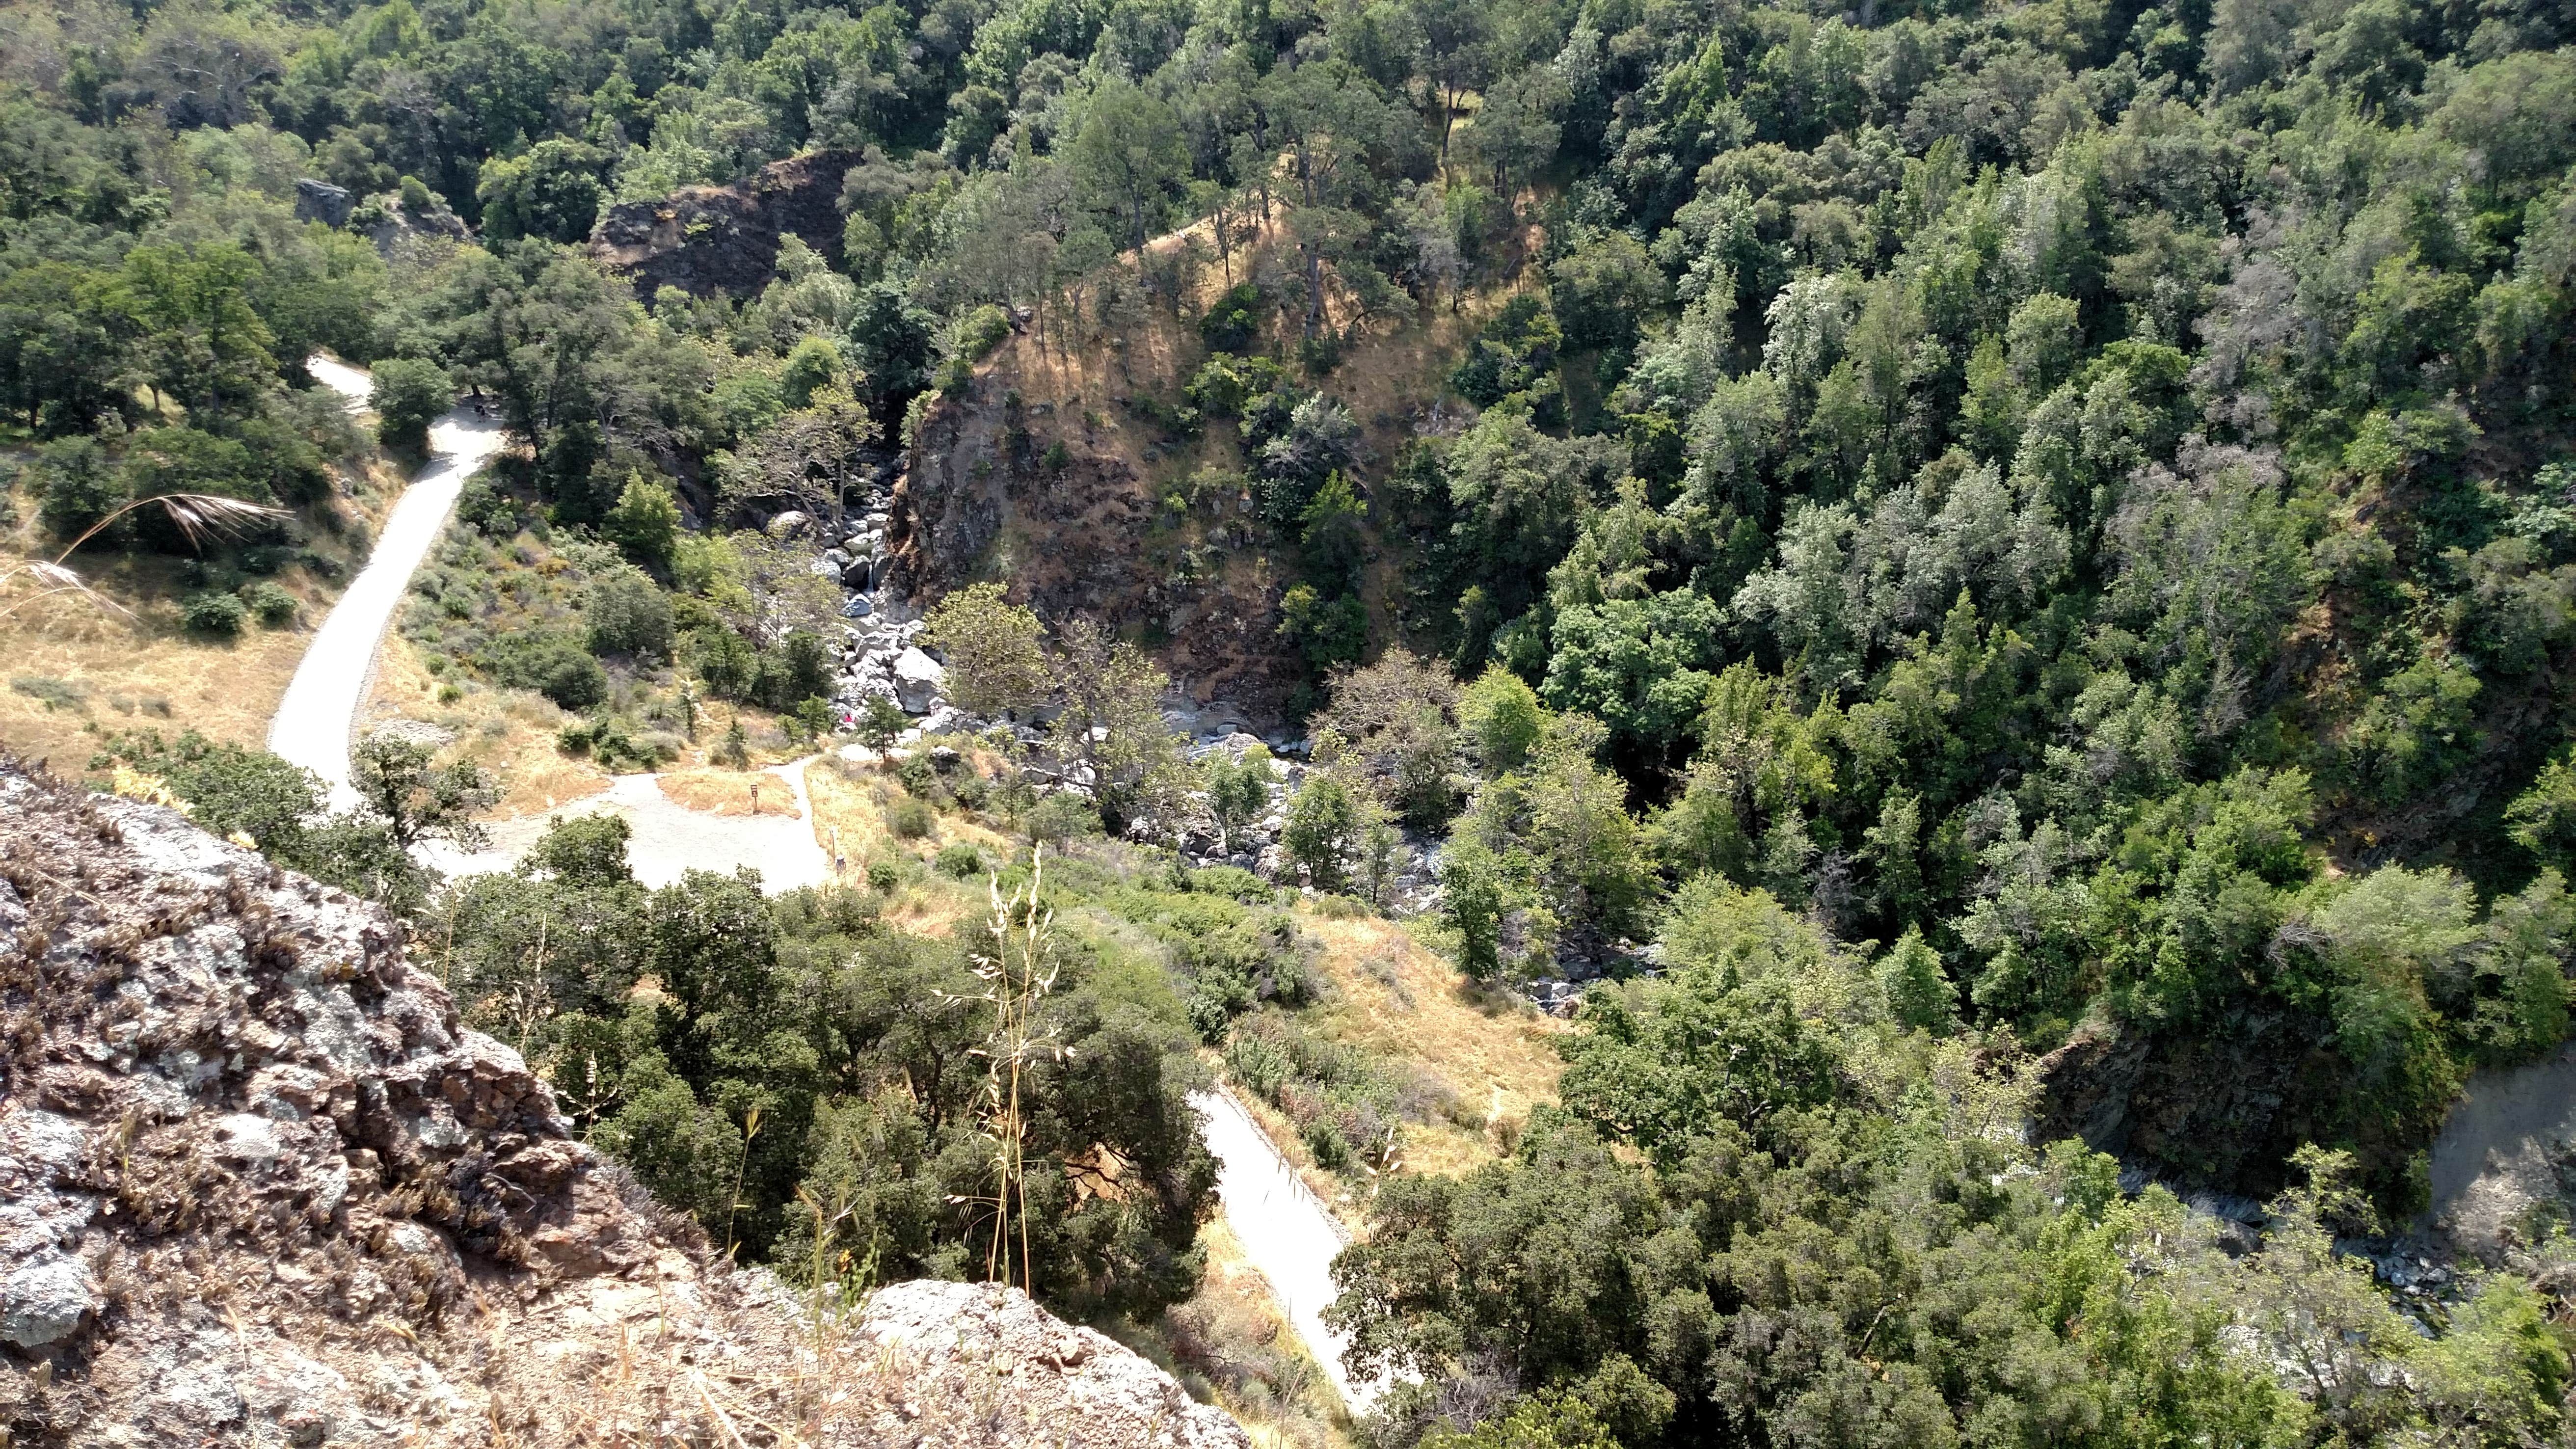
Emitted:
pixel 1049 1382
pixel 258 1185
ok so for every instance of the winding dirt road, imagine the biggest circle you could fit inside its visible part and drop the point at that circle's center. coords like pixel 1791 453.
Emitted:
pixel 319 715
pixel 1286 1231
pixel 320 711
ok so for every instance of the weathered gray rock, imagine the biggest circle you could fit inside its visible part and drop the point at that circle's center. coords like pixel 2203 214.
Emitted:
pixel 323 202
pixel 259 1185
pixel 710 239
pixel 1051 1382
pixel 918 680
pixel 45 1298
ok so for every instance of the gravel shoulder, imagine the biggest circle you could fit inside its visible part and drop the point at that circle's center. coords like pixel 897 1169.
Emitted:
pixel 667 839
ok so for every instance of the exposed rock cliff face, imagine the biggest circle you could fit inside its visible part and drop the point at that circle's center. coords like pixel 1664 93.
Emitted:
pixel 2221 1109
pixel 709 239
pixel 980 499
pixel 258 1186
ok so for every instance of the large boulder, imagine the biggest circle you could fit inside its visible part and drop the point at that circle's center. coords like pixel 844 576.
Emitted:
pixel 323 202
pixel 710 239
pixel 919 680
pixel 1050 1382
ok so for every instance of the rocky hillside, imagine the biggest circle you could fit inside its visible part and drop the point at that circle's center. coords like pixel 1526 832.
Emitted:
pixel 258 1185
pixel 983 495
pixel 709 239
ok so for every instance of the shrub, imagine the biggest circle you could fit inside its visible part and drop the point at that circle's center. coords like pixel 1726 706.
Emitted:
pixel 1060 817
pixel 646 520
pixel 213 613
pixel 1512 353
pixel 50 692
pixel 628 614
pixel 272 604
pixel 882 876
pixel 910 819
pixel 1234 321
pixel 1224 384
pixel 72 478
pixel 962 861
pixel 1233 882
pixel 880 721
pixel 554 665
pixel 980 334
pixel 489 509
pixel 189 460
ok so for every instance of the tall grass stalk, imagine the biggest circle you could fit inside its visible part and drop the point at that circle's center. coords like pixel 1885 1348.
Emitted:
pixel 1018 973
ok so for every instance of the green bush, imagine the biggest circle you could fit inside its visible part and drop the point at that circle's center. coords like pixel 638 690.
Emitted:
pixel 270 603
pixel 882 876
pixel 910 819
pixel 76 487
pixel 410 393
pixel 1234 321
pixel 1224 384
pixel 627 613
pixel 210 612
pixel 961 861
pixel 189 460
pixel 554 665
pixel 1060 817
pixel 487 508
pixel 971 341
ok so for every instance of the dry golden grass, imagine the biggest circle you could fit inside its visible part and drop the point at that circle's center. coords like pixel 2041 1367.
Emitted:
pixel 129 674
pixel 1229 1346
pixel 1398 1000
pixel 509 732
pixel 850 808
pixel 1386 373
pixel 139 668
pixel 729 792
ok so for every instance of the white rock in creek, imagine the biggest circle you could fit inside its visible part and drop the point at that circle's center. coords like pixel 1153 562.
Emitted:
pixel 918 680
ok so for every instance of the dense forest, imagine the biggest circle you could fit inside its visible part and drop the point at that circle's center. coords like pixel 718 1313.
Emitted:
pixel 1960 533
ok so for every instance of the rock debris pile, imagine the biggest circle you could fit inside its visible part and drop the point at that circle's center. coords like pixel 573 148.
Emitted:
pixel 259 1186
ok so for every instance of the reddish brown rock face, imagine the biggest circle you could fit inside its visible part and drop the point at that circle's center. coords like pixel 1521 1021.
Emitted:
pixel 979 500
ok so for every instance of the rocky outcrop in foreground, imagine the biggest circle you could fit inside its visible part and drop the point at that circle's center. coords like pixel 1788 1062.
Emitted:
pixel 259 1186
